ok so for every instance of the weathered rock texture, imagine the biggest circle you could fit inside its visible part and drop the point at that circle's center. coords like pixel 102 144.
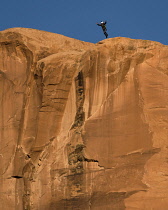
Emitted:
pixel 82 125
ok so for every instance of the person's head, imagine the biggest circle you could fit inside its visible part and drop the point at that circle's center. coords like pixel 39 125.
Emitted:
pixel 102 22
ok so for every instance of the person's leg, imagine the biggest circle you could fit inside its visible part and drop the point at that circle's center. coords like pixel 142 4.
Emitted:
pixel 105 33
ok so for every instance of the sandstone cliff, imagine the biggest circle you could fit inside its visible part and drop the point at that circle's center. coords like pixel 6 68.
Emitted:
pixel 82 125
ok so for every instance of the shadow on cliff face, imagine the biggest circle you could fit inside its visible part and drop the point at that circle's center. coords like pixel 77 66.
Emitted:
pixel 98 200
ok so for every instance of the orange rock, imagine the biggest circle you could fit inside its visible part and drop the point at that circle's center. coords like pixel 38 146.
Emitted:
pixel 83 126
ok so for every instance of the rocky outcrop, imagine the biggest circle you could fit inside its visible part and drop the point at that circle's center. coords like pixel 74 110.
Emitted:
pixel 83 126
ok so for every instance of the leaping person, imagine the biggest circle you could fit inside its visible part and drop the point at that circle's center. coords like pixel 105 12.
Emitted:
pixel 103 25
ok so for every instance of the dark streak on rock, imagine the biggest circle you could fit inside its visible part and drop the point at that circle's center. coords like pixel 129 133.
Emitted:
pixel 17 177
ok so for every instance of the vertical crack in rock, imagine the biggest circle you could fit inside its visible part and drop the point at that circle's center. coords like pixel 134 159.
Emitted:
pixel 76 146
pixel 75 149
pixel 28 172
pixel 80 97
pixel 38 77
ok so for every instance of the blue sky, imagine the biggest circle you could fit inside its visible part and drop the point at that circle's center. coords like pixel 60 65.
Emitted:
pixel 137 19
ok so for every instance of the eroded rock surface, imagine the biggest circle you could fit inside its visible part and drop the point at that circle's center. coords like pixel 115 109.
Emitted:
pixel 82 125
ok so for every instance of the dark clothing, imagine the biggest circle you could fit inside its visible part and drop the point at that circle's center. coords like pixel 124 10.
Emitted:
pixel 103 25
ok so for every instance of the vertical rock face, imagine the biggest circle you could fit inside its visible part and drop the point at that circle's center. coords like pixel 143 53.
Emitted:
pixel 82 126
